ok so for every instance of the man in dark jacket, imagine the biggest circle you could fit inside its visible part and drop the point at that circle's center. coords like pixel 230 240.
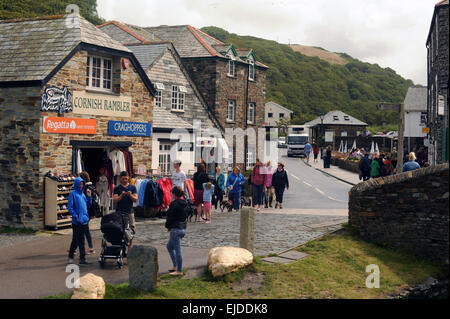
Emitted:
pixel 280 181
pixel 176 225
pixel 364 167
pixel 78 205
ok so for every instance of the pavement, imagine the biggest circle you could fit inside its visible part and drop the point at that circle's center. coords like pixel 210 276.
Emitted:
pixel 315 204
pixel 334 171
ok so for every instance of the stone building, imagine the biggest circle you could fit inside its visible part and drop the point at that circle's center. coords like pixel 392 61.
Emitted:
pixel 274 112
pixel 175 93
pixel 437 103
pixel 415 118
pixel 64 86
pixel 231 80
pixel 335 124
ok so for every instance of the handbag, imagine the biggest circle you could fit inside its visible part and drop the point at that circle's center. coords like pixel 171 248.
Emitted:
pixel 230 188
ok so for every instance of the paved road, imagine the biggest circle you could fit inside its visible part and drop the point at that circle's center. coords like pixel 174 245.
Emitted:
pixel 312 189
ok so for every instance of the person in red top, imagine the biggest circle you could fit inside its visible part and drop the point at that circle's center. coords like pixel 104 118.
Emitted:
pixel 258 180
pixel 316 152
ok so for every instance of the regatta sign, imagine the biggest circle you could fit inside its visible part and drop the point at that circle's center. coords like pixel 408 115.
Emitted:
pixel 129 128
pixel 101 104
pixel 69 125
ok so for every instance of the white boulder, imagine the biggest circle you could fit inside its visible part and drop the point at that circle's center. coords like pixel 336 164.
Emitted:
pixel 223 260
pixel 90 287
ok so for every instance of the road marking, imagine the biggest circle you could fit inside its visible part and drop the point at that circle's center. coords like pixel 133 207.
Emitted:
pixel 337 200
pixel 308 184
pixel 295 177
pixel 319 191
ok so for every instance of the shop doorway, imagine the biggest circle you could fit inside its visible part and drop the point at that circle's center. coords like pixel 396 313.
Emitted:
pixel 92 159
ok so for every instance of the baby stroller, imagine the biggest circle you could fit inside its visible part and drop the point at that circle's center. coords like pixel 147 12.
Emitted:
pixel 116 231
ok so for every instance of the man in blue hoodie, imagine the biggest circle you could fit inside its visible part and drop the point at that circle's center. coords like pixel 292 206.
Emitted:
pixel 78 207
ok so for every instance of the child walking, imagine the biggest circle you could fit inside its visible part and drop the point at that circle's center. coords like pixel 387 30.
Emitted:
pixel 208 191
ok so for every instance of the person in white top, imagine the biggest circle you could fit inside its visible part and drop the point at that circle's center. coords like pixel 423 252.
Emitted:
pixel 178 176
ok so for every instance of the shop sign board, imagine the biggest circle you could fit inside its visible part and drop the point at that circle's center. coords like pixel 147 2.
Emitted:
pixel 129 128
pixel 329 136
pixel 55 99
pixel 206 142
pixel 69 125
pixel 101 104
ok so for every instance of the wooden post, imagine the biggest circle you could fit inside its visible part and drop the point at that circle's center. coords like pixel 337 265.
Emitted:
pixel 247 229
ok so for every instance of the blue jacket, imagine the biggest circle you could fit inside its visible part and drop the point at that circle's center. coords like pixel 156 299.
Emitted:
pixel 237 188
pixel 410 166
pixel 78 204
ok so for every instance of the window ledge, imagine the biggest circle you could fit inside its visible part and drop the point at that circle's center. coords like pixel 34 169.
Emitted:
pixel 231 76
pixel 231 122
pixel 251 123
pixel 251 80
pixel 99 91
pixel 177 111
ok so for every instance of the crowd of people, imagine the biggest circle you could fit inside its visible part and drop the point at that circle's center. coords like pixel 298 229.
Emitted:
pixel 267 183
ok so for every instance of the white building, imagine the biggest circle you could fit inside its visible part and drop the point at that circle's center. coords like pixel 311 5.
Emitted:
pixel 274 113
pixel 415 117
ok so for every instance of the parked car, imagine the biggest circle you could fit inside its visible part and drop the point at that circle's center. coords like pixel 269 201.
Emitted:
pixel 282 142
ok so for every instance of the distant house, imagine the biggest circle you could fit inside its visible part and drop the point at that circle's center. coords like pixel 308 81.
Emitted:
pixel 274 113
pixel 335 123
pixel 437 102
pixel 415 117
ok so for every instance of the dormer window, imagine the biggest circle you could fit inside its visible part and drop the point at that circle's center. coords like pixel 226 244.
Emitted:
pixel 335 118
pixel 231 65
pixel 251 69
pixel 99 73
pixel 346 118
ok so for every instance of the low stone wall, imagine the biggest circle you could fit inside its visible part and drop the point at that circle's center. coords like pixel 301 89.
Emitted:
pixel 351 166
pixel 407 211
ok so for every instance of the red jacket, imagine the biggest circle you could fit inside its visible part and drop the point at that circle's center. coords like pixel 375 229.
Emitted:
pixel 258 178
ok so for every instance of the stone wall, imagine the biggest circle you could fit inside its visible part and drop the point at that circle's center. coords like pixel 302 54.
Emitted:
pixel 351 166
pixel 407 211
pixel 21 203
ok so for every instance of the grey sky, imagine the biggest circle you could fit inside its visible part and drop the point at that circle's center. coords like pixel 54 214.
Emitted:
pixel 391 33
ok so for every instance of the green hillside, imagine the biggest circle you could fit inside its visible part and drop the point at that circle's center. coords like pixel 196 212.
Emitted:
pixel 16 9
pixel 310 86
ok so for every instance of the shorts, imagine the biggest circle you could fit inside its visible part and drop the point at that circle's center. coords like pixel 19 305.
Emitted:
pixel 198 197
pixel 207 205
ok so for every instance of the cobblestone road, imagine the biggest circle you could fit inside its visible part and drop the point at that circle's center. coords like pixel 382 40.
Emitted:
pixel 275 231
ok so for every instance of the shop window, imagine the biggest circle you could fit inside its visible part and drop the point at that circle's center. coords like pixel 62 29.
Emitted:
pixel 158 98
pixel 177 99
pixel 251 113
pixel 99 73
pixel 231 110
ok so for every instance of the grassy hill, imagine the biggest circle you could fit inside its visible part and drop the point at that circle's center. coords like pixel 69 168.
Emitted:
pixel 309 85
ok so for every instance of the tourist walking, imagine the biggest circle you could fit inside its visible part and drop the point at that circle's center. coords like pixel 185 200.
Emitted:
pixel 178 176
pixel 91 210
pixel 125 195
pixel 327 158
pixel 235 181
pixel 199 178
pixel 220 179
pixel 375 167
pixel 78 205
pixel 269 190
pixel 394 159
pixel 208 191
pixel 258 180
pixel 364 167
pixel 176 226
pixel 316 152
pixel 308 148
pixel 411 164
pixel 280 182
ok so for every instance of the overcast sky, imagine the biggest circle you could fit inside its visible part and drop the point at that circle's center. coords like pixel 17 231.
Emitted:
pixel 391 33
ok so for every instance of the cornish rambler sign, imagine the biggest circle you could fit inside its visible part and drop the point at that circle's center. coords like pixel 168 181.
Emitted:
pixel 101 104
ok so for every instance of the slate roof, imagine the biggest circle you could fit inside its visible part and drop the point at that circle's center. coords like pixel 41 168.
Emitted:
pixel 147 54
pixel 273 104
pixel 30 49
pixel 330 120
pixel 166 119
pixel 416 99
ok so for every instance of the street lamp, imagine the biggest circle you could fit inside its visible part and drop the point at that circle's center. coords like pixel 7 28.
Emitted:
pixel 321 135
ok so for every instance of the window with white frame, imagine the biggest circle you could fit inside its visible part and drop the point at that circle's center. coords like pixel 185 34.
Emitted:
pixel 250 159
pixel 251 69
pixel 230 159
pixel 99 73
pixel 177 99
pixel 231 110
pixel 158 98
pixel 231 65
pixel 164 158
pixel 251 113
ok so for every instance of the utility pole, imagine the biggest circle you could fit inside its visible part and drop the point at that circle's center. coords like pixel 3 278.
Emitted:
pixel 398 107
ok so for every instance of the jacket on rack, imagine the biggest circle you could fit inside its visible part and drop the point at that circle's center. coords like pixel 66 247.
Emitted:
pixel 118 161
pixel 166 186
pixel 190 189
pixel 153 195
pixel 102 187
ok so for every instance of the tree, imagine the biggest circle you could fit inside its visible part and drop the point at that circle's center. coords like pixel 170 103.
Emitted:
pixel 283 124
